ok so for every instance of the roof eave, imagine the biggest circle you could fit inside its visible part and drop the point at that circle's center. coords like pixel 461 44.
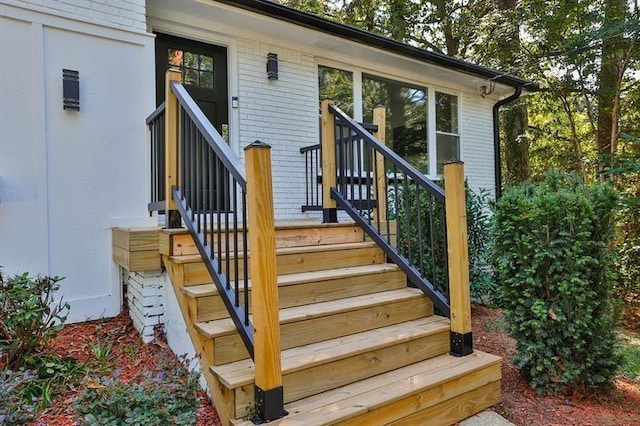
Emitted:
pixel 309 20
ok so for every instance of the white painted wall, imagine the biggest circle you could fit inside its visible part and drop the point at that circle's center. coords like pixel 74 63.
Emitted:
pixel 476 121
pixel 282 113
pixel 67 177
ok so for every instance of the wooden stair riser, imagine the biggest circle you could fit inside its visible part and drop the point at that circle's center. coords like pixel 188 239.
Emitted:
pixel 211 307
pixel 317 379
pixel 180 244
pixel 230 348
pixel 432 400
pixel 195 273
pixel 454 409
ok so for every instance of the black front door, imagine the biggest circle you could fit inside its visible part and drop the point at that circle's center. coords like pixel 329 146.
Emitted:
pixel 204 74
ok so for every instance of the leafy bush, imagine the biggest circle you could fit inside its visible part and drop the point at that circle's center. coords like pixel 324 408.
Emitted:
pixel 416 207
pixel 14 410
pixel 480 237
pixel 29 317
pixel 153 398
pixel 554 259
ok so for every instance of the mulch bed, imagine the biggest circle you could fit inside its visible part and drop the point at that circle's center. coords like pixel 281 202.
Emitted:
pixel 520 404
pixel 128 354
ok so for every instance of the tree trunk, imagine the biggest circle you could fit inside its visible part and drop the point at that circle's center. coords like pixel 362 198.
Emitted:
pixel 609 81
pixel 515 118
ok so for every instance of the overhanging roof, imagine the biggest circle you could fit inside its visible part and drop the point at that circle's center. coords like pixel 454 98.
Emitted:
pixel 311 21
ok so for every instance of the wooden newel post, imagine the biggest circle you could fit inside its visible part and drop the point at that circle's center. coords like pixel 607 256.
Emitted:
pixel 264 285
pixel 172 216
pixel 329 208
pixel 458 251
pixel 380 120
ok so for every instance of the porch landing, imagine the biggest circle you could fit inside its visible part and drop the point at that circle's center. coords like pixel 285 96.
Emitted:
pixel 358 345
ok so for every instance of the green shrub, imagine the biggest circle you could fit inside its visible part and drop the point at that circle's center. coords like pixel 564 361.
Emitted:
pixel 29 317
pixel 414 207
pixel 14 410
pixel 554 259
pixel 151 398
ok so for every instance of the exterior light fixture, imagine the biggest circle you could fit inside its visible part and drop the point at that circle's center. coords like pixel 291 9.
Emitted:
pixel 70 90
pixel 272 66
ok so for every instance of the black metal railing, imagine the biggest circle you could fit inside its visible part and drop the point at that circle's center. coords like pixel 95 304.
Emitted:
pixel 212 199
pixel 398 207
pixel 312 177
pixel 156 127
pixel 313 171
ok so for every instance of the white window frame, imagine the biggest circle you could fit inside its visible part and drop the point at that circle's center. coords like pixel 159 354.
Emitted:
pixel 430 90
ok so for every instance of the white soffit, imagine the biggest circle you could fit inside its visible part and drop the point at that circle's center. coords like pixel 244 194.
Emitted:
pixel 212 16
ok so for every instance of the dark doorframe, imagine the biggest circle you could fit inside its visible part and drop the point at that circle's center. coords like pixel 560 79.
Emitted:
pixel 204 74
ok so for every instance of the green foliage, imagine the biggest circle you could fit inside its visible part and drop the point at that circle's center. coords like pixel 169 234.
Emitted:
pixel 554 256
pixel 150 398
pixel 14 410
pixel 629 351
pixel 480 236
pixel 415 210
pixel 29 317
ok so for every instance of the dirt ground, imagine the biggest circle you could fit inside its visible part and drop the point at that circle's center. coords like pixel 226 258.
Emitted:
pixel 520 404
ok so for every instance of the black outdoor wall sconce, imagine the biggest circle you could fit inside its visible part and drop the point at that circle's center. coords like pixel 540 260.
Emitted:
pixel 272 66
pixel 70 90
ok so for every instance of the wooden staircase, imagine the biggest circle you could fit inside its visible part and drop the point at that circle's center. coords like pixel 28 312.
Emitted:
pixel 358 345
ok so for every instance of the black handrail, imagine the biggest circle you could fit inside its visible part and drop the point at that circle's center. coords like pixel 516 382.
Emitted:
pixel 211 196
pixel 156 127
pixel 413 203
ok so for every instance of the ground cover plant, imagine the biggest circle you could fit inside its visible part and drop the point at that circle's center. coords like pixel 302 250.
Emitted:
pixel 554 259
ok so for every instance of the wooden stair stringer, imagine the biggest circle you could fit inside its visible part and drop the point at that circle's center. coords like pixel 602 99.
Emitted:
pixel 219 393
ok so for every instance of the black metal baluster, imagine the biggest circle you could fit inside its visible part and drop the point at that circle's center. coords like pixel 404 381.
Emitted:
pixel 419 214
pixel 218 218
pixel 235 242
pixel 211 172
pixel 225 202
pixel 245 257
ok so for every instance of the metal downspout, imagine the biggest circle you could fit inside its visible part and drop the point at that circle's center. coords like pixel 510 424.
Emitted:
pixel 496 137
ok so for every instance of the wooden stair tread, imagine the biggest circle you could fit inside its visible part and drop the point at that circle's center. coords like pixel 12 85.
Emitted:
pixel 241 373
pixel 195 258
pixel 357 398
pixel 217 328
pixel 288 224
pixel 302 277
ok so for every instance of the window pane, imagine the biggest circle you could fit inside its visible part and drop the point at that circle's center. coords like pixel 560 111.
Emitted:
pixel 406 106
pixel 206 63
pixel 191 60
pixel 448 147
pixel 206 79
pixel 190 77
pixel 337 85
pixel 446 113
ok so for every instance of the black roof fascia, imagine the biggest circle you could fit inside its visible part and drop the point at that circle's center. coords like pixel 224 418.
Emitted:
pixel 309 20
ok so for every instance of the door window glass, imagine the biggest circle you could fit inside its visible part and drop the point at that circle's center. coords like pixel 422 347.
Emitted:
pixel 197 70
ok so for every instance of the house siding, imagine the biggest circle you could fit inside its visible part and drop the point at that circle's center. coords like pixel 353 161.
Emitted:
pixel 477 141
pixel 125 14
pixel 282 113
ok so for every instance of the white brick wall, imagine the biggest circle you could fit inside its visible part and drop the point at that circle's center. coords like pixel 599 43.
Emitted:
pixel 126 14
pixel 282 113
pixel 477 141
pixel 145 299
